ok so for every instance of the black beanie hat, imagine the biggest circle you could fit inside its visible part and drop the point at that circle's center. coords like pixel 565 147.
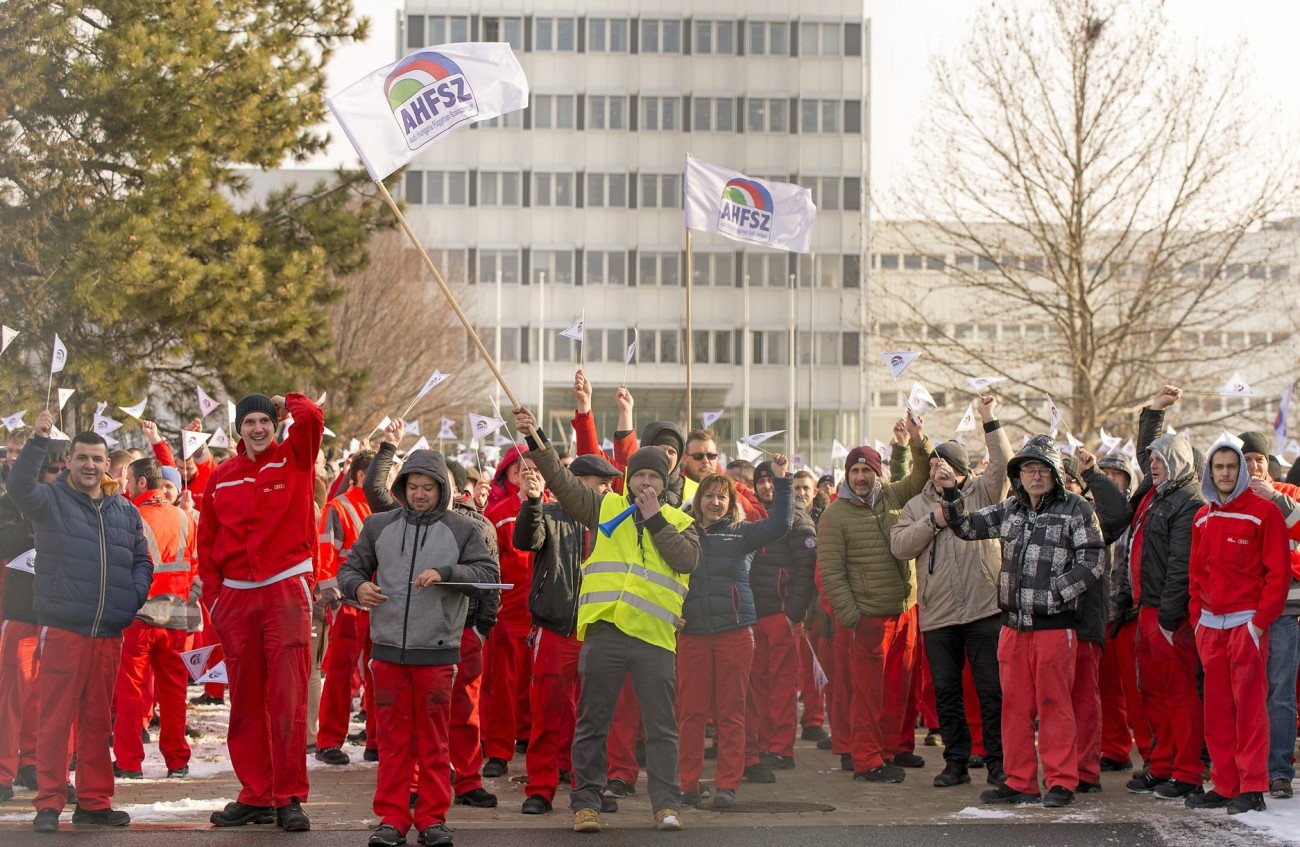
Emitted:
pixel 250 403
pixel 650 458
pixel 763 469
pixel 1073 470
pixel 1254 442
pixel 458 474
pixel 954 453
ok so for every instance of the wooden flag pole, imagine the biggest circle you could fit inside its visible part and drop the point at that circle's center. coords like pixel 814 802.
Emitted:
pixel 446 292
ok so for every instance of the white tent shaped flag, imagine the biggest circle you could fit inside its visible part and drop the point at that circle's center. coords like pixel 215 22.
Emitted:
pixel 838 450
pixel 1072 441
pixel 7 336
pixel 230 412
pixel 60 357
pixel 64 394
pixel 383 424
pixel 354 446
pixel 217 675
pixel 413 428
pixel 501 439
pixel 100 407
pixel 14 421
pixel 445 430
pixel 1237 387
pixel 967 423
pixel 111 441
pixel 206 403
pixel 438 376
pixel 1108 442
pixel 482 426
pixel 394 113
pixel 324 431
pixel 25 562
pixel 104 425
pixel 744 451
pixel 57 434
pixel 191 442
pixel 134 411
pixel 196 660
pixel 979 383
pixel 219 439
pixel 574 330
pixel 797 461
pixel 1226 437
pixel 320 401
pixel 1054 415
pixel 710 418
pixel 759 437
pixel 919 400
pixel 898 361
pixel 421 444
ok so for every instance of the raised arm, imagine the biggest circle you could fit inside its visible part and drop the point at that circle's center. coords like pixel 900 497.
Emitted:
pixel 375 485
pixel 577 499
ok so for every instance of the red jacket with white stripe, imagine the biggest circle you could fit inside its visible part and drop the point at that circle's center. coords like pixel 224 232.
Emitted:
pixel 1240 558
pixel 259 515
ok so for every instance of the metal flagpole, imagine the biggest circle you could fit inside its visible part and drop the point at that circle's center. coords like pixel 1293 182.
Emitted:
pixel 689 337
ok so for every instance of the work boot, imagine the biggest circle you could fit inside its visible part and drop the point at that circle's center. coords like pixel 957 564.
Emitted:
pixel 1088 788
pixel 1005 795
pixel 536 804
pixel 724 799
pixel 814 733
pixel 6 793
pixel 670 820
pixel 1280 788
pixel 758 773
pixel 776 762
pixel 1247 801
pixel 933 738
pixel 908 759
pixel 119 773
pixel 1207 800
pixel 619 787
pixel 1058 797
pixel 586 820
pixel 206 699
pixel 386 835
pixel 178 773
pixel 47 820
pixel 952 774
pixel 495 767
pixel 479 798
pixel 292 818
pixel 1144 783
pixel 26 777
pixel 1108 764
pixel 99 817
pixel 1176 789
pixel 238 814
pixel 436 835
pixel 332 756
pixel 886 773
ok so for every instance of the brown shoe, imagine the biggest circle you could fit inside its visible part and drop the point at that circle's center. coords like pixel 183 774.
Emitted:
pixel 586 820
pixel 669 820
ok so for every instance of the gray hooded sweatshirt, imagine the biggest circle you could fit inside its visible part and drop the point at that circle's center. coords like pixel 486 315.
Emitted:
pixel 419 626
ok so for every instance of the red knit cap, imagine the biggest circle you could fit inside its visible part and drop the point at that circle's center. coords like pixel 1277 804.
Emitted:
pixel 867 455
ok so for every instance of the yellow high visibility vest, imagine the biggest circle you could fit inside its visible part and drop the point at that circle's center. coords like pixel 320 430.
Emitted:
pixel 629 584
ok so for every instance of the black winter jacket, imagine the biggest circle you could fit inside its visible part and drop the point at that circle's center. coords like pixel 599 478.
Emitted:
pixel 560 545
pixel 16 538
pixel 93 569
pixel 483 606
pixel 782 574
pixel 720 598
pixel 1112 510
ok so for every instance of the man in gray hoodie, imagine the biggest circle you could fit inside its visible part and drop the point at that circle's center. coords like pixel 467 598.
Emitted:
pixel 414 568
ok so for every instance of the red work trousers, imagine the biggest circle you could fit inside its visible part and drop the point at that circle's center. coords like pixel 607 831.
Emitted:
pixel 19 665
pixel 266 634
pixel 1037 674
pixel 506 667
pixel 414 706
pixel 841 696
pixel 1086 700
pixel 1167 674
pixel 882 656
pixel 814 703
pixel 1123 719
pixel 349 644
pixel 772 709
pixel 146 650
pixel 911 682
pixel 713 669
pixel 464 734
pixel 624 734
pixel 554 710
pixel 1236 689
pixel 76 684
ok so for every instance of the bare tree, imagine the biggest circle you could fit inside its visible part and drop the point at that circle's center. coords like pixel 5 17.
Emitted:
pixel 1081 171
pixel 393 325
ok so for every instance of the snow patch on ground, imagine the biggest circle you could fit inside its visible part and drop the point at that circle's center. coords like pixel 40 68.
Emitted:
pixel 1280 820
pixel 977 812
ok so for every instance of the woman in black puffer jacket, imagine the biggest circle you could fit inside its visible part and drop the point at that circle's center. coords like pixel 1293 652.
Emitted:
pixel 716 645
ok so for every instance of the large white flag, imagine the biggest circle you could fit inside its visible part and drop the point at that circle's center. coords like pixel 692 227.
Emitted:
pixel 754 211
pixel 393 113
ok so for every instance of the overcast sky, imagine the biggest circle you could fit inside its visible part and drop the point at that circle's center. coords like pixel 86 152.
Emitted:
pixel 906 34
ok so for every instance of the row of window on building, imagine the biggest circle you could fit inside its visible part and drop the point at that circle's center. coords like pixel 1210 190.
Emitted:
pixel 618 111
pixel 593 190
pixel 1035 264
pixel 588 266
pixel 671 36
pixel 667 345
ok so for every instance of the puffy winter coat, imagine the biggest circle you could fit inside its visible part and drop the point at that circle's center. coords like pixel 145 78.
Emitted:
pixel 93 570
pixel 1052 553
pixel 859 573
pixel 782 573
pixel 720 598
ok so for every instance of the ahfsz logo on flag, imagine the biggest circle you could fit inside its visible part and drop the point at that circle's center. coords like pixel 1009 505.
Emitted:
pixel 746 211
pixel 429 95
pixel 755 211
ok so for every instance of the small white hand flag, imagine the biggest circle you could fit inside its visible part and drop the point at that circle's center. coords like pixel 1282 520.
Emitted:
pixel 383 424
pixel 500 439
pixel 60 357
pixel 206 403
pixel 196 660
pixel 759 437
pixel 412 427
pixel 797 461
pixel 710 418
pixel 979 383
pixel 1108 442
pixel 217 675
pixel 7 335
pixel 57 434
pixel 230 412
pixel 482 426
pixel 445 430
pixel 100 407
pixel 438 376
pixel 920 400
pixel 134 411
pixel 1055 419
pixel 354 445
pixel 320 401
pixel 104 425
pixel 421 443
pixel 191 442
pixel 1237 387
pixel 14 421
pixel 219 439
pixel 25 562
pixel 898 361
pixel 838 450
pixel 575 329
pixel 1226 437
pixel 64 394
pixel 967 423
pixel 744 451
pixel 631 350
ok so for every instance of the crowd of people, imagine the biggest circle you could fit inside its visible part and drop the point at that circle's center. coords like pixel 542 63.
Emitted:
pixel 605 611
